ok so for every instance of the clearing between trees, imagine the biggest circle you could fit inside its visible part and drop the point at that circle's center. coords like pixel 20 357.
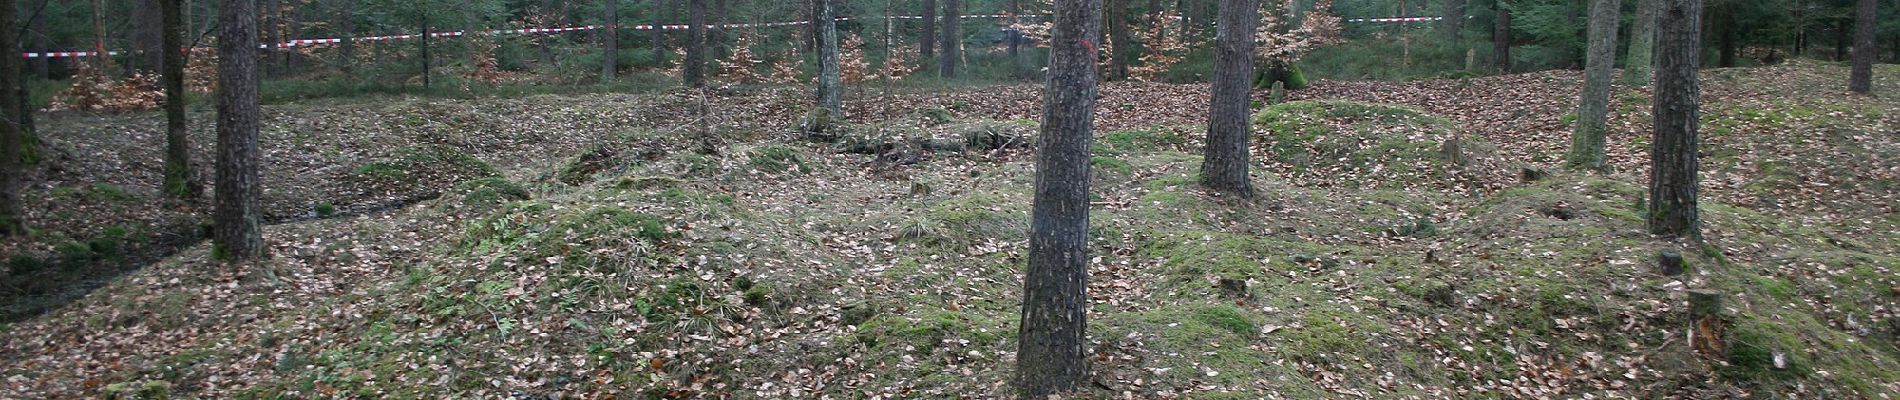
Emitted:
pixel 1409 240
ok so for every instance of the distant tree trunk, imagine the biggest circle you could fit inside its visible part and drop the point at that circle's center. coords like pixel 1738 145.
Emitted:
pixel 718 33
pixel 610 42
pixel 1641 57
pixel 1861 80
pixel 1224 167
pixel 99 35
pixel 1121 38
pixel 1593 110
pixel 547 41
pixel 273 38
pixel 346 22
pixel 830 79
pixel 695 66
pixel 1677 110
pixel 1015 38
pixel 1841 38
pixel 927 45
pixel 657 36
pixel 427 61
pixel 1055 299
pixel 1725 35
pixel 143 32
pixel 472 31
pixel 237 235
pixel 1501 37
pixel 178 182
pixel 12 219
pixel 952 19
pixel 1453 20
pixel 811 29
pixel 42 66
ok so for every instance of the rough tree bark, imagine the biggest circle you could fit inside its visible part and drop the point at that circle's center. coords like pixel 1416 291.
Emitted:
pixel 1055 299
pixel 1641 58
pixel 1677 110
pixel 178 182
pixel 695 64
pixel 952 41
pixel 1453 22
pixel 830 79
pixel 1593 110
pixel 1224 166
pixel 1861 79
pixel 12 220
pixel 657 37
pixel 237 234
pixel 610 42
pixel 1501 37
pixel 927 44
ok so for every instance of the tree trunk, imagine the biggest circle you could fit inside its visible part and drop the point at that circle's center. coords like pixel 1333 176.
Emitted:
pixel 1055 299
pixel 427 61
pixel 694 67
pixel 1224 167
pixel 927 45
pixel 1677 110
pixel 657 36
pixel 952 19
pixel 292 31
pixel 42 66
pixel 12 219
pixel 1453 20
pixel 1121 38
pixel 1861 80
pixel 472 30
pixel 237 234
pixel 610 41
pixel 346 22
pixel 1593 110
pixel 178 182
pixel 273 38
pixel 1840 39
pixel 1641 59
pixel 1501 37
pixel 718 31
pixel 1015 38
pixel 143 33
pixel 1726 35
pixel 830 78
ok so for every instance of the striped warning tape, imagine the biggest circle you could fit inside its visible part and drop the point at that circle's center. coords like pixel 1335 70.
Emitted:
pixel 1407 19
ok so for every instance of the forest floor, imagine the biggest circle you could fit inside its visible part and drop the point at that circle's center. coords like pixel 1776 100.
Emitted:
pixel 597 246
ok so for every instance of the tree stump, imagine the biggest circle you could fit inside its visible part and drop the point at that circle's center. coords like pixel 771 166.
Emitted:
pixel 1706 324
pixel 1670 262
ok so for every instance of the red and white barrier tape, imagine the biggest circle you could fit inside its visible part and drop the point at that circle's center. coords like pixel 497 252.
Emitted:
pixel 1407 19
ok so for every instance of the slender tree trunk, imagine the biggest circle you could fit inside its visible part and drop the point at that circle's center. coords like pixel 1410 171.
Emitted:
pixel 346 23
pixel 238 236
pixel 427 61
pixel 12 219
pixel 1015 38
pixel 272 32
pixel 472 32
pixel 1055 299
pixel 178 182
pixel 1121 39
pixel 610 42
pixel 42 66
pixel 1726 35
pixel 952 40
pixel 657 36
pixel 143 34
pixel 811 29
pixel 695 67
pixel 1224 167
pixel 1841 38
pixel 718 31
pixel 927 45
pixel 830 79
pixel 1593 110
pixel 1677 110
pixel 99 36
pixel 547 41
pixel 1501 37
pixel 1861 80
pixel 1453 22
pixel 1641 59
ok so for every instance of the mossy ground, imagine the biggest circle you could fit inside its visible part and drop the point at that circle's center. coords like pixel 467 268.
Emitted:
pixel 780 268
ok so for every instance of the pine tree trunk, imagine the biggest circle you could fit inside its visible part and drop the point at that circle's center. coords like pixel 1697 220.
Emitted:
pixel 1453 21
pixel 1501 37
pixel 292 30
pixel 1049 357
pixel 695 63
pixel 1861 80
pixel 1015 39
pixel 1641 58
pixel 237 234
pixel 42 66
pixel 1224 167
pixel 143 33
pixel 947 64
pixel 472 31
pixel 1677 110
pixel 610 41
pixel 346 22
pixel 1593 110
pixel 12 219
pixel 717 34
pixel 1726 35
pixel 427 61
pixel 178 182
pixel 272 38
pixel 1121 39
pixel 1841 38
pixel 657 36
pixel 830 78
pixel 927 44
